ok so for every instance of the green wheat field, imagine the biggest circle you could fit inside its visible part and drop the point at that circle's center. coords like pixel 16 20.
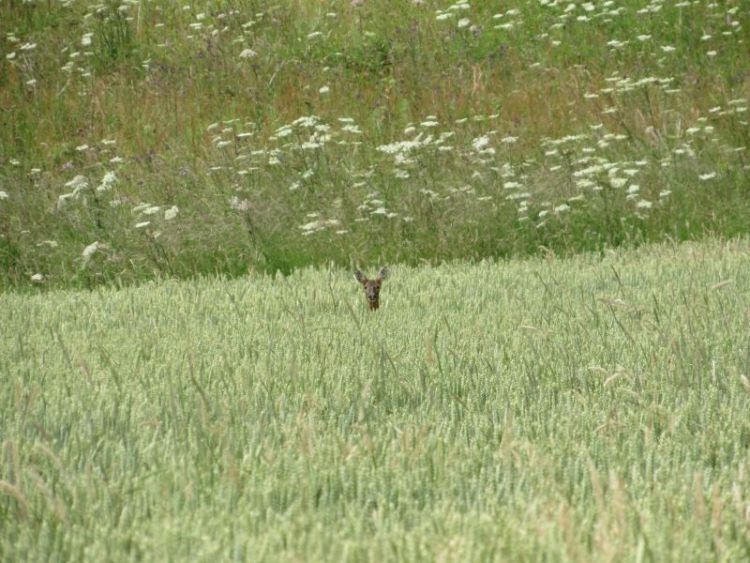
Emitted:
pixel 588 409
pixel 560 366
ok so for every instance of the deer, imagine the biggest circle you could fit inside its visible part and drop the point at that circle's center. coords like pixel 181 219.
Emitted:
pixel 372 287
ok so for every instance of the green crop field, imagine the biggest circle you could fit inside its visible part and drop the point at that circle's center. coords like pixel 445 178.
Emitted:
pixel 586 409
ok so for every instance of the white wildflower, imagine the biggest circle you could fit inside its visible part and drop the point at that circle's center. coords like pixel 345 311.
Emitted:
pixel 171 213
pixel 248 54
pixel 284 131
pixel 480 142
pixel 107 182
pixel 239 204
pixel 324 90
pixel 89 251
pixel 306 121
pixel 3 194
pixel 78 183
pixel 37 278
pixel 399 147
pixel 318 225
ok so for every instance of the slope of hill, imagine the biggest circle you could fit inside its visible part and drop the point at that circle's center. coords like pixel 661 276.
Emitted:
pixel 150 139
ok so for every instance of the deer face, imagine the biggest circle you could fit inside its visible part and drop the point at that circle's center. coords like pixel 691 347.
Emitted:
pixel 372 287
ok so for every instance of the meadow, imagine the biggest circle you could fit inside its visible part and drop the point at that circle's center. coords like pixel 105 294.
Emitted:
pixel 587 409
pixel 145 140
pixel 189 371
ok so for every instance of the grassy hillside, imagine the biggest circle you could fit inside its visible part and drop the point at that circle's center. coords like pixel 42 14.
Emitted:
pixel 587 409
pixel 149 139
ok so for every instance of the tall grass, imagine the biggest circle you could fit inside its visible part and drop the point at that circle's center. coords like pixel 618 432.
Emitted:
pixel 585 409
pixel 263 126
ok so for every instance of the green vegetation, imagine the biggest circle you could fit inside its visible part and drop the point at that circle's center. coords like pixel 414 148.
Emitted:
pixel 588 409
pixel 142 140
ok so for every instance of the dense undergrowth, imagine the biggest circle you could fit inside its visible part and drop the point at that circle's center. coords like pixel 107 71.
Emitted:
pixel 148 139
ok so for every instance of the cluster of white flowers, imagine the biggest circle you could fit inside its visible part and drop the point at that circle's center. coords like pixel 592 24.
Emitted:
pixel 319 224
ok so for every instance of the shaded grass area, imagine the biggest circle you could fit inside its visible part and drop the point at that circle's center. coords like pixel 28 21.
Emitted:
pixel 583 409
pixel 268 136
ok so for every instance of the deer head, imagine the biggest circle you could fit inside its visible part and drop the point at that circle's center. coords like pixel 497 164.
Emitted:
pixel 372 287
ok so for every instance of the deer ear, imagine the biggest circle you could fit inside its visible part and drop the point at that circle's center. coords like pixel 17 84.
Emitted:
pixel 383 273
pixel 359 276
